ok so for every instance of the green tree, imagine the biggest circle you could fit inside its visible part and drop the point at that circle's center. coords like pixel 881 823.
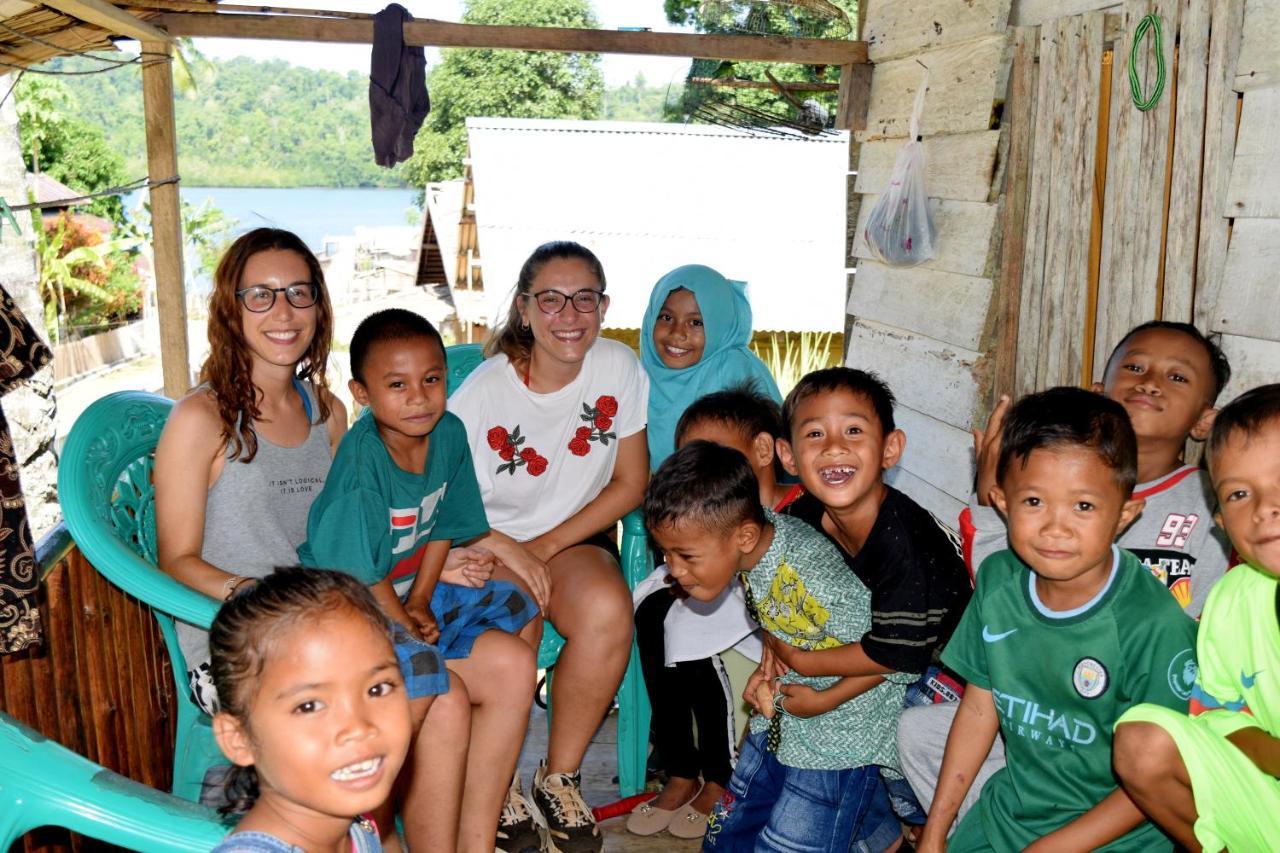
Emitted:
pixel 58 142
pixel 636 100
pixel 505 83
pixel 765 18
pixel 84 276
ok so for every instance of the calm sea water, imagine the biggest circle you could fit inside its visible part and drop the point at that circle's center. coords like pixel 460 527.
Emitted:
pixel 310 212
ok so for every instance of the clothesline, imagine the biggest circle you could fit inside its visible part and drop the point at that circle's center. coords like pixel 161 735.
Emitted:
pixel 7 210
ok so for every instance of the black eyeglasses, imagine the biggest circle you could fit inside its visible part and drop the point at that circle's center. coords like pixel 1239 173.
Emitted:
pixel 259 298
pixel 553 301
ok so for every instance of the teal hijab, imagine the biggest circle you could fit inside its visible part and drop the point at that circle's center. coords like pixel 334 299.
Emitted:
pixel 726 361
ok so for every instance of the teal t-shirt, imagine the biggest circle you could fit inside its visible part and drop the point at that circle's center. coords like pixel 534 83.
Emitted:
pixel 805 595
pixel 373 518
pixel 1060 679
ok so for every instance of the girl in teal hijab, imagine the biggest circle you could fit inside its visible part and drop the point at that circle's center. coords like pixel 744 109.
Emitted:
pixel 694 342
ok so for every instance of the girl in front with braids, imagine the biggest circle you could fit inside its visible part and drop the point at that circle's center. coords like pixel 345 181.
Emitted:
pixel 240 461
pixel 315 717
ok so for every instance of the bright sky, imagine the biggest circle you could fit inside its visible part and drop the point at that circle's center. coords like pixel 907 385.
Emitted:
pixel 618 69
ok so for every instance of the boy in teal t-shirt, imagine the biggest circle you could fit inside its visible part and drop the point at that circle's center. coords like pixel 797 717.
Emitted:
pixel 403 489
pixel 401 492
pixel 1063 634
pixel 1212 779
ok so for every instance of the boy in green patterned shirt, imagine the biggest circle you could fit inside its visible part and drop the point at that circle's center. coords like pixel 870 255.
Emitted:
pixel 810 783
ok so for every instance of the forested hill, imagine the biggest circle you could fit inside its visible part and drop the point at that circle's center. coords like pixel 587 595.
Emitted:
pixel 249 123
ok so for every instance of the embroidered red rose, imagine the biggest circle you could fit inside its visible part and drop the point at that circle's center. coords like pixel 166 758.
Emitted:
pixel 599 420
pixel 507 452
pixel 537 465
pixel 497 437
pixel 528 454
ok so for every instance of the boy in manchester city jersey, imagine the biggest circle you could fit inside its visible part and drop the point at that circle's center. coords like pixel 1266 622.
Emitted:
pixel 1212 779
pixel 1064 633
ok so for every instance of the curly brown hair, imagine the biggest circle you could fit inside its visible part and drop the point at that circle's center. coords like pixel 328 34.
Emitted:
pixel 228 371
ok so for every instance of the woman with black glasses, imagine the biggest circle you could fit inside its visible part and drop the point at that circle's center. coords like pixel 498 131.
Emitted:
pixel 243 456
pixel 556 420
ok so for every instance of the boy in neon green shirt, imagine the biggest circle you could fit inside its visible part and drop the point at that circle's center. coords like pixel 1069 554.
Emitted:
pixel 1210 780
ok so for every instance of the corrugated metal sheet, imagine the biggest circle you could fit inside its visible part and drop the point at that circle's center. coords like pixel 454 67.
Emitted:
pixel 769 210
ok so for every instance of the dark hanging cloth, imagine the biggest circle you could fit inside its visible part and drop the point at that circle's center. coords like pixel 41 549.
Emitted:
pixel 398 100
pixel 22 353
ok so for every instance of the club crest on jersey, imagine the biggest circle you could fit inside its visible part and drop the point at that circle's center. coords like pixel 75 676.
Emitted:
pixel 1182 673
pixel 1089 678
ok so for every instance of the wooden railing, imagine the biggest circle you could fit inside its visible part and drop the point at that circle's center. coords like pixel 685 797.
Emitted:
pixel 101 682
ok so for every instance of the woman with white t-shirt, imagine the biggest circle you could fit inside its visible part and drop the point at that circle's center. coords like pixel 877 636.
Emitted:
pixel 556 422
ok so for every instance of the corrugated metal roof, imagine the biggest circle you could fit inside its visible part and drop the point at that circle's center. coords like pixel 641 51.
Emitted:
pixel 763 208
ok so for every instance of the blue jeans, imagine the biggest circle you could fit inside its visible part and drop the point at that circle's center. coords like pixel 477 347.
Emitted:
pixel 770 807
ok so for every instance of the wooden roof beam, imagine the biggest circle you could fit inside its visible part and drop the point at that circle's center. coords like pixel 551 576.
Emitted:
pixel 427 32
pixel 109 17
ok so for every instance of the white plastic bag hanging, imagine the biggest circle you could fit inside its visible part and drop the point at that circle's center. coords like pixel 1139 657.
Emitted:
pixel 900 230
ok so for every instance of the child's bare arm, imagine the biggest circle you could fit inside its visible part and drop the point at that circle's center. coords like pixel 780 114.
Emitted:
pixel 1261 748
pixel 845 660
pixel 972 733
pixel 1097 827
pixel 417 603
pixel 385 594
pixel 804 701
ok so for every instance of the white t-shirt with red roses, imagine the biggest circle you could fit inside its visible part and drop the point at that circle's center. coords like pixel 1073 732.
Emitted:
pixel 540 458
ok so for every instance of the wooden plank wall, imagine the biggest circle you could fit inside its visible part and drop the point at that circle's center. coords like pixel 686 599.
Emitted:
pixel 1055 276
pixel 1243 308
pixel 924 329
pixel 1182 214
pixel 101 683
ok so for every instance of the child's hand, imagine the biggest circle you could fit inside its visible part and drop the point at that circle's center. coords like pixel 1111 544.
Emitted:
pixel 986 451
pixel 773 668
pixel 470 566
pixel 753 685
pixel 800 700
pixel 784 655
pixel 422 621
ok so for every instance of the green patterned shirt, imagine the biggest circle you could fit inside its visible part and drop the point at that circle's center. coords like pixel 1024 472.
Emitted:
pixel 805 595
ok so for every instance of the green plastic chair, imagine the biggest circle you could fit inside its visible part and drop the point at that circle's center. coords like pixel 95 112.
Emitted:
pixel 633 701
pixel 42 783
pixel 104 486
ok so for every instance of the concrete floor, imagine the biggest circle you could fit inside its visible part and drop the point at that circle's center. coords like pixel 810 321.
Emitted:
pixel 598 770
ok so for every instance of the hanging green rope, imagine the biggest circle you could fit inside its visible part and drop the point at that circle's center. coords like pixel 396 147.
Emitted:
pixel 1150 22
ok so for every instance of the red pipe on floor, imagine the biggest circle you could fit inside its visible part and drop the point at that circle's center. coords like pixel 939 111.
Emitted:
pixel 624 806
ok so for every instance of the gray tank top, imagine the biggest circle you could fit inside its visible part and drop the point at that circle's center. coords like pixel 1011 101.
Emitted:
pixel 256 514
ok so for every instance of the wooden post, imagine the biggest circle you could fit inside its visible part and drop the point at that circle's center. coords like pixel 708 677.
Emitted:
pixel 166 219
pixel 855 96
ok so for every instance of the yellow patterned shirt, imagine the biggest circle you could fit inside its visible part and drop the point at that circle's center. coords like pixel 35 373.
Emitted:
pixel 805 594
